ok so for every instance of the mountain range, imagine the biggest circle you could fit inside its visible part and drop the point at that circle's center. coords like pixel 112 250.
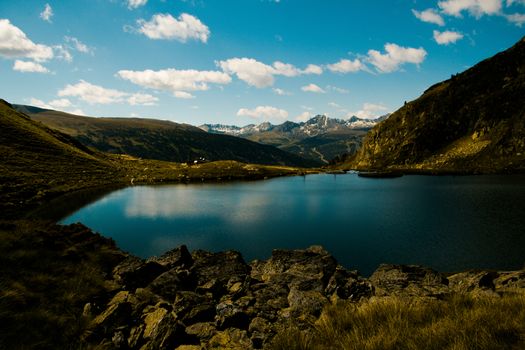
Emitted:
pixel 160 139
pixel 472 122
pixel 321 138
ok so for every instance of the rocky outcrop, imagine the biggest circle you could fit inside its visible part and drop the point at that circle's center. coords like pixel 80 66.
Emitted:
pixel 209 300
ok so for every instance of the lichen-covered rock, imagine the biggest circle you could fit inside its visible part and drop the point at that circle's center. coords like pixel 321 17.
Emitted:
pixel 346 284
pixel 312 264
pixel 179 257
pixel 217 301
pixel 510 280
pixel 230 314
pixel 191 307
pixel 212 271
pixel 134 273
pixel 202 330
pixel 306 303
pixel 170 282
pixel 231 338
pixel 408 280
pixel 471 280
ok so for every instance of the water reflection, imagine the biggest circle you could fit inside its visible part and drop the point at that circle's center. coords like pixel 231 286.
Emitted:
pixel 450 223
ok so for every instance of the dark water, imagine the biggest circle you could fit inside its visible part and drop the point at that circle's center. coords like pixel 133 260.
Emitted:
pixel 449 223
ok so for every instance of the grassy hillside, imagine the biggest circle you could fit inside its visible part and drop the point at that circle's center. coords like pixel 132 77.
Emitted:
pixel 473 122
pixel 161 140
pixel 37 162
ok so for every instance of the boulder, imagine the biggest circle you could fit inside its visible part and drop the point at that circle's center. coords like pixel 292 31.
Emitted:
pixel 470 281
pixel 408 280
pixel 311 264
pixel 230 314
pixel 191 307
pixel 202 330
pixel 134 273
pixel 212 271
pixel 510 280
pixel 346 284
pixel 231 338
pixel 170 282
pixel 179 257
pixel 163 331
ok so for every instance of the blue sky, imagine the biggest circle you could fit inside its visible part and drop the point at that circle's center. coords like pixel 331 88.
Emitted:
pixel 242 61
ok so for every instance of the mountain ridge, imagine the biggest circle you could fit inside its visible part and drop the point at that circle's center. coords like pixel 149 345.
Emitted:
pixel 472 122
pixel 160 139
pixel 320 138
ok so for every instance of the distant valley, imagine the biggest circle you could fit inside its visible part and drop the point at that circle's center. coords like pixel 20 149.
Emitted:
pixel 321 138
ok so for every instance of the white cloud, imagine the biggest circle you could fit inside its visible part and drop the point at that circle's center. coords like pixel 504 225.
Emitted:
pixel 281 92
pixel 347 66
pixel 183 95
pixel 133 4
pixel 394 57
pixel 337 89
pixel 183 28
pixel 303 117
pixel 178 82
pixel 94 94
pixel 333 104
pixel 313 69
pixel 512 2
pixel 429 16
pixel 517 18
pixel 47 13
pixel 313 88
pixel 286 69
pixel 368 111
pixel 264 113
pixel 29 67
pixel 446 37
pixel 251 71
pixel 261 75
pixel 63 53
pixel 78 45
pixel 15 44
pixel 62 104
pixel 142 99
pixel 476 8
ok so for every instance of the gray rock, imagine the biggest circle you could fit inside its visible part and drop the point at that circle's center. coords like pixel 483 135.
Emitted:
pixel 135 273
pixel 408 280
pixel 179 257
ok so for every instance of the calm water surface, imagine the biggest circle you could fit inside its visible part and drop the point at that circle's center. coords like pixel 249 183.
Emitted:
pixel 449 223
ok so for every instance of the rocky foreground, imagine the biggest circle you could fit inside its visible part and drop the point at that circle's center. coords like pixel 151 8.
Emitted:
pixel 204 300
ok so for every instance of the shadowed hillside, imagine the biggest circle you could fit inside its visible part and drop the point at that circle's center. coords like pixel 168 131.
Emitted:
pixel 161 140
pixel 473 122
pixel 37 160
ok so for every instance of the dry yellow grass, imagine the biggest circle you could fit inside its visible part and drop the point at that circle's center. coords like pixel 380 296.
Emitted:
pixel 463 321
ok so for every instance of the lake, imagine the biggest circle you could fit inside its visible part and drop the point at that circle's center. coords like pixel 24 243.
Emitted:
pixel 450 223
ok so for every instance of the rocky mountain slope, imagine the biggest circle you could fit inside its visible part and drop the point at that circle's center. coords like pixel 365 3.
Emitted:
pixel 161 140
pixel 472 122
pixel 321 138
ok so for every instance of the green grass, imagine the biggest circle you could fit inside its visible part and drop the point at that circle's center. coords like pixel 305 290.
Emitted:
pixel 461 322
pixel 47 274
